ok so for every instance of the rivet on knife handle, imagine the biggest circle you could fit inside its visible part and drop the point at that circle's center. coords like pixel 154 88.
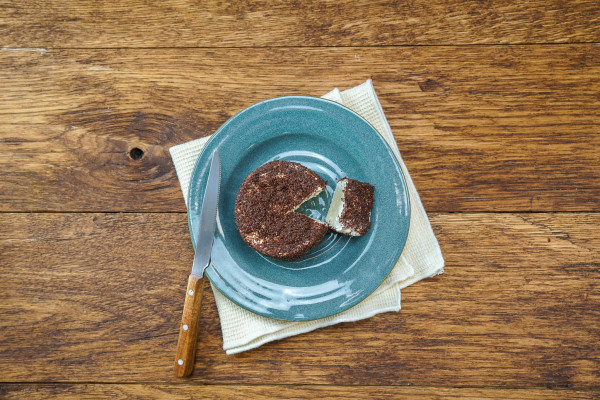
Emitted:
pixel 188 331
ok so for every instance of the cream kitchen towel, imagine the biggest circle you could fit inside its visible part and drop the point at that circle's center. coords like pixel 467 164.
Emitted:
pixel 421 258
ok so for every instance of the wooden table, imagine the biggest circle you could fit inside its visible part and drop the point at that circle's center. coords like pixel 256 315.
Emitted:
pixel 495 107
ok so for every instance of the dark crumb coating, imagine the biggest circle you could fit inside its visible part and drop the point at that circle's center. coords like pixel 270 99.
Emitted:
pixel 358 202
pixel 264 210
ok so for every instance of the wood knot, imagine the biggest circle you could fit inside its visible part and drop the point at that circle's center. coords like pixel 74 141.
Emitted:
pixel 136 153
pixel 429 85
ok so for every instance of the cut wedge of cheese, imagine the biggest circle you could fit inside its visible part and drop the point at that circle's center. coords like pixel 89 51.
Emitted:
pixel 350 209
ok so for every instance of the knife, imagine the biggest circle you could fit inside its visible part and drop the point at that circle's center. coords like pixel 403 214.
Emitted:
pixel 188 330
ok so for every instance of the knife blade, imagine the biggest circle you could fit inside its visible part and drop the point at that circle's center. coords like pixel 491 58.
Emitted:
pixel 205 228
pixel 208 217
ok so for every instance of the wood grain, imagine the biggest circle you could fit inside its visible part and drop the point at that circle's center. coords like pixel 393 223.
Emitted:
pixel 260 392
pixel 185 23
pixel 518 306
pixel 481 128
pixel 495 107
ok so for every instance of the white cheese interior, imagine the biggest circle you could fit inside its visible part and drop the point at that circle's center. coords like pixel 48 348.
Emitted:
pixel 336 208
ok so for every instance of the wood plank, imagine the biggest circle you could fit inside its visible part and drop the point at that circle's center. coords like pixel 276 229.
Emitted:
pixel 481 128
pixel 97 298
pixel 183 23
pixel 258 392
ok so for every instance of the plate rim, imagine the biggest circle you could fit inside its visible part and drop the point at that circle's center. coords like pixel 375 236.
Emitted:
pixel 215 136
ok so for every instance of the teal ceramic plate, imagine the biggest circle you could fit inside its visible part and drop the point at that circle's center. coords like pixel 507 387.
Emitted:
pixel 334 142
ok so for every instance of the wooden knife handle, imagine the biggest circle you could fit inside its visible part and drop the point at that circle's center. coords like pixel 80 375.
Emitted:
pixel 188 331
